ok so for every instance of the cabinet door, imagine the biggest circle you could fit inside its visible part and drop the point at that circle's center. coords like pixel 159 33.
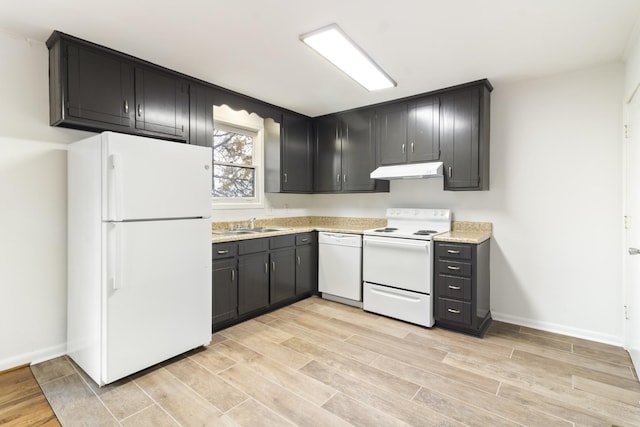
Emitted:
pixel 283 274
pixel 162 103
pixel 460 138
pixel 201 115
pixel 358 151
pixel 225 291
pixel 306 270
pixel 253 282
pixel 391 134
pixel 100 87
pixel 297 154
pixel 328 162
pixel 423 131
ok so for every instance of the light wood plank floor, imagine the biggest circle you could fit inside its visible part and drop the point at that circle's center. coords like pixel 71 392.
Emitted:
pixel 321 363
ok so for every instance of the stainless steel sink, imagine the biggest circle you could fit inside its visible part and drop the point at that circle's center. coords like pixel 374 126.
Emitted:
pixel 241 231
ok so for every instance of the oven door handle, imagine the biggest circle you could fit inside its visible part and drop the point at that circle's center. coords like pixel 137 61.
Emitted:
pixel 391 242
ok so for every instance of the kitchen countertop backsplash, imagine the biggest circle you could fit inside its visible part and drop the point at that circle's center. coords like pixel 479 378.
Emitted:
pixel 461 231
pixel 298 224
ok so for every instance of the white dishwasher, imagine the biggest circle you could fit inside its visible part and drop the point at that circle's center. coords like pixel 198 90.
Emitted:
pixel 340 267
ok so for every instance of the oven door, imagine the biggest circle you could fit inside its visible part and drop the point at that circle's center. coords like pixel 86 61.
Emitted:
pixel 400 263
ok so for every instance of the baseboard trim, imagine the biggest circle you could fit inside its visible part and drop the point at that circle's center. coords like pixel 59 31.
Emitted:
pixel 33 357
pixel 559 329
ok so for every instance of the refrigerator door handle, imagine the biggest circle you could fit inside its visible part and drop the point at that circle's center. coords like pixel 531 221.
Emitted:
pixel 116 273
pixel 116 187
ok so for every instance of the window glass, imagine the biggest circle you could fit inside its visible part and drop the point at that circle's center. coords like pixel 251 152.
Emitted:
pixel 234 172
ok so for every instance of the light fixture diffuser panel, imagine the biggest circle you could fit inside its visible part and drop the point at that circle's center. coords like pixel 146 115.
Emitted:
pixel 333 44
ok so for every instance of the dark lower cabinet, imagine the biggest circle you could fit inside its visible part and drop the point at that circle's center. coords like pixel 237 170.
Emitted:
pixel 462 287
pixel 283 275
pixel 225 290
pixel 254 276
pixel 306 269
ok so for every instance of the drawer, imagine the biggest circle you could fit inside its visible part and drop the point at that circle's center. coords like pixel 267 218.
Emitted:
pixel 454 311
pixel 449 250
pixel 224 250
pixel 282 241
pixel 252 246
pixel 304 239
pixel 454 267
pixel 454 287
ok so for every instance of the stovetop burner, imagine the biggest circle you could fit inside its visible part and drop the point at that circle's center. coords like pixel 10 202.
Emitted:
pixel 386 230
pixel 424 232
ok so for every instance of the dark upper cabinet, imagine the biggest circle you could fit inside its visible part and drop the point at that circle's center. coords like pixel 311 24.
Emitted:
pixel 328 155
pixel 345 153
pixel 162 102
pixel 95 88
pixel 423 130
pixel 289 155
pixel 391 135
pixel 465 137
pixel 200 115
pixel 409 132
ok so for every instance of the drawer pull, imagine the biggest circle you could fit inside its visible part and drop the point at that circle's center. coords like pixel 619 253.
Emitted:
pixel 451 251
pixel 305 239
pixel 455 288
pixel 450 267
pixel 221 252
pixel 451 310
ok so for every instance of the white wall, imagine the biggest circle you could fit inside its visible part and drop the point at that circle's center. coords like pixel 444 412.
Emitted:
pixel 33 270
pixel 555 204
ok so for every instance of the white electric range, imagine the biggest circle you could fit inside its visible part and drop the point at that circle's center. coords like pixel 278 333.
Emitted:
pixel 397 264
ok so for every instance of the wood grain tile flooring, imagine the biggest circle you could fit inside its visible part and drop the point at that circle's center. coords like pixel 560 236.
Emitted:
pixel 319 363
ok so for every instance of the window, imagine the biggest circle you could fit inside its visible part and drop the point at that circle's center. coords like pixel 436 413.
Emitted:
pixel 237 159
pixel 234 172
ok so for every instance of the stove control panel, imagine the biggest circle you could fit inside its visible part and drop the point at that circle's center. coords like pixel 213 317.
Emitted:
pixel 419 214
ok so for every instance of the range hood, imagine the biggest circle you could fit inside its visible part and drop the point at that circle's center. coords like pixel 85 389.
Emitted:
pixel 408 171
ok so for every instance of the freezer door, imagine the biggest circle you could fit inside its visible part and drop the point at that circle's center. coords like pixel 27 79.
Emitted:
pixel 157 293
pixel 145 178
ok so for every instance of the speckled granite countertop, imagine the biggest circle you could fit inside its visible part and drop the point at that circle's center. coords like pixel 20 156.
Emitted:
pixel 296 225
pixel 467 232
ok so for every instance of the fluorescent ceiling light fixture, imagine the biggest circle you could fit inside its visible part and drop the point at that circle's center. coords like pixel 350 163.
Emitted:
pixel 332 43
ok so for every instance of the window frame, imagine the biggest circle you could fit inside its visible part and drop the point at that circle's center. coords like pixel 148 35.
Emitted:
pixel 240 122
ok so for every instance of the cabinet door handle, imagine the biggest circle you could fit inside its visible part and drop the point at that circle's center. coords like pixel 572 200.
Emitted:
pixel 221 252
pixel 451 251
pixel 233 275
pixel 273 266
pixel 338 178
pixel 449 173
pixel 451 310
pixel 126 105
pixel 455 288
pixel 344 178
pixel 298 259
pixel 412 147
pixel 403 149
pixel 285 177
pixel 450 267
pixel 266 268
pixel 139 110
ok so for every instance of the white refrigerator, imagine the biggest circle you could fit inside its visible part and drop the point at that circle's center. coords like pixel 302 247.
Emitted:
pixel 139 252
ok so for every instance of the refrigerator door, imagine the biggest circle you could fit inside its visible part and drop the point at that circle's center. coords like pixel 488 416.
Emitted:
pixel 157 293
pixel 145 178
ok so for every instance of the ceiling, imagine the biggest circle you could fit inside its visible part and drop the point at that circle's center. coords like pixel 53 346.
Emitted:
pixel 252 46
